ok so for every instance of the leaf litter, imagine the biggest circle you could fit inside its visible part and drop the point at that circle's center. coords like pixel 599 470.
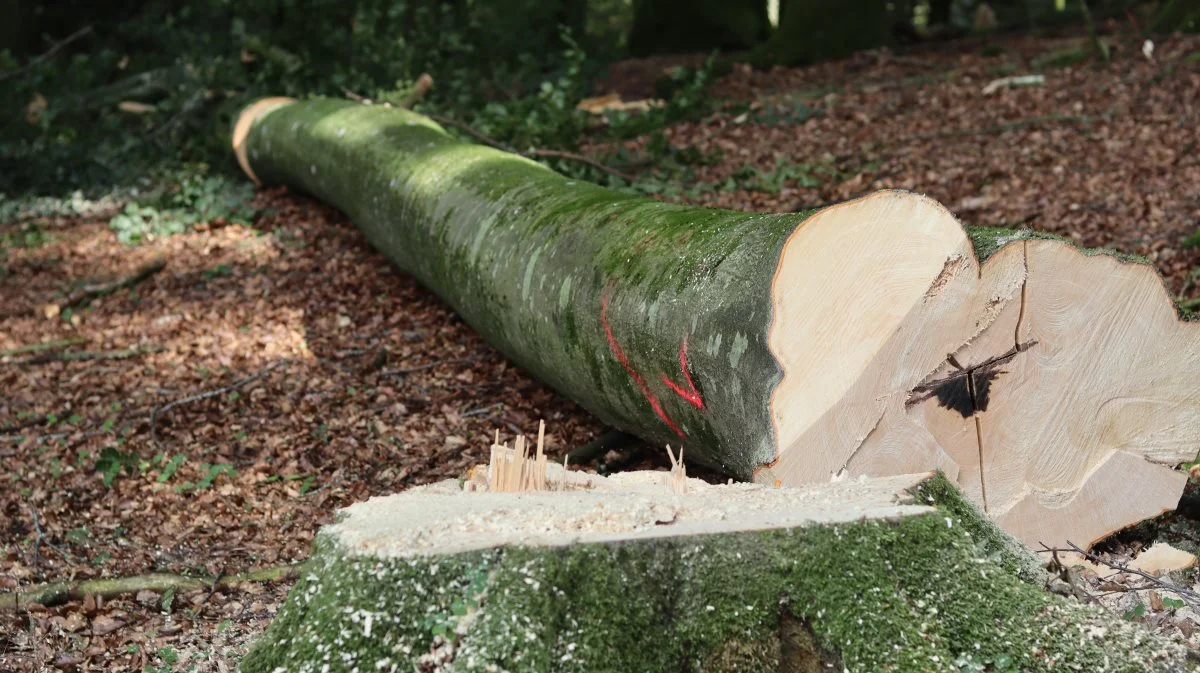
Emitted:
pixel 291 371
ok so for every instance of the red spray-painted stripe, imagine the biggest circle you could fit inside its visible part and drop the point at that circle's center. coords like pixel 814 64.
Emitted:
pixel 691 394
pixel 637 378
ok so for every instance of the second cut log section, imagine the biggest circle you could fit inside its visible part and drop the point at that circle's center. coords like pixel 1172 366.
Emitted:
pixel 1059 389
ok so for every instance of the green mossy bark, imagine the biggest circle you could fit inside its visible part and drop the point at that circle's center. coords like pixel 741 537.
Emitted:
pixel 529 259
pixel 988 240
pixel 919 594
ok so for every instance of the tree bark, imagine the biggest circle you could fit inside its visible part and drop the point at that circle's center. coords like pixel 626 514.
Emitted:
pixel 629 574
pixel 1058 388
pixel 17 27
pixel 816 30
pixel 681 26
pixel 1177 15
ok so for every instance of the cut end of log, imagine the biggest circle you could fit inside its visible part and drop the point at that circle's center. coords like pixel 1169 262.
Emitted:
pixel 245 121
pixel 448 517
pixel 1057 388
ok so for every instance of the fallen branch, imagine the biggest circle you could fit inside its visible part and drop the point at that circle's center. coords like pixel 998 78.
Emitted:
pixel 159 411
pixel 1192 597
pixel 534 153
pixel 1012 82
pixel 38 439
pixel 82 356
pixel 471 131
pixel 482 410
pixel 89 292
pixel 423 85
pixel 570 156
pixel 1013 126
pixel 40 539
pixel 48 54
pixel 612 440
pixel 43 346
pixel 29 422
pixel 57 593
pixel 428 365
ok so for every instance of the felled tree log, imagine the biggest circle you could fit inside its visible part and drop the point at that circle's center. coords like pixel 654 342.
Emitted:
pixel 627 574
pixel 1058 388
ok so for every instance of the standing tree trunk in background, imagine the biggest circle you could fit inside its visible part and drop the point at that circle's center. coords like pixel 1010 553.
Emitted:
pixel 1177 15
pixel 678 26
pixel 939 12
pixel 1058 388
pixel 16 27
pixel 815 30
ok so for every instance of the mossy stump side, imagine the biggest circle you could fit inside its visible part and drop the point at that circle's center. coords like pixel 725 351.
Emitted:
pixel 903 587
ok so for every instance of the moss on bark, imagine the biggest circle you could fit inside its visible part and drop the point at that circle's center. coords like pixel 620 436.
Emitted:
pixel 922 593
pixel 597 293
pixel 593 291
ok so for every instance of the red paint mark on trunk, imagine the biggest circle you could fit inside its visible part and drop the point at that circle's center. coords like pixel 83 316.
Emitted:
pixel 690 394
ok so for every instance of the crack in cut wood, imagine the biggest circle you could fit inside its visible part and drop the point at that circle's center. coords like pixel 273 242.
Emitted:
pixel 966 390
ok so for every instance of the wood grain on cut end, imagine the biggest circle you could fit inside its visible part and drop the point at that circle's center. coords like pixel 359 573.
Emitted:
pixel 245 121
pixel 869 298
pixel 1057 388
pixel 579 507
pixel 1110 377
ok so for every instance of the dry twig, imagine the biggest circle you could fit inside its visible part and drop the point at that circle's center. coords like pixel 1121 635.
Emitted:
pixel 570 156
pixel 534 153
pixel 40 539
pixel 419 91
pixel 1188 595
pixel 48 54
pixel 404 371
pixel 89 292
pixel 479 411
pixel 159 411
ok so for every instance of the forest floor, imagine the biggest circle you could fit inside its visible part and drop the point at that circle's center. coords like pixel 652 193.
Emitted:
pixel 210 417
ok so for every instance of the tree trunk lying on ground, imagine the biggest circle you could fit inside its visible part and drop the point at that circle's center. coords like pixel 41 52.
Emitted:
pixel 631 573
pixel 1058 388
